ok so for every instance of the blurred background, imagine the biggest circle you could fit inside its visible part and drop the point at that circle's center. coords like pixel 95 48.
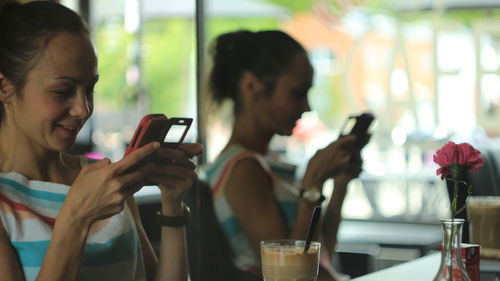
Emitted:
pixel 428 70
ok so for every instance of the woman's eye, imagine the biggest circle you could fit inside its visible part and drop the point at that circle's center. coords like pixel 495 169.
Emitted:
pixel 62 93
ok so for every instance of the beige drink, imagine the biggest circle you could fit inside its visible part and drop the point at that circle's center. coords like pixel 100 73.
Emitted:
pixel 484 219
pixel 285 260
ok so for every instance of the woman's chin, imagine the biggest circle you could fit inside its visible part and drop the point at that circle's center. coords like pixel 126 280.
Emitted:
pixel 64 145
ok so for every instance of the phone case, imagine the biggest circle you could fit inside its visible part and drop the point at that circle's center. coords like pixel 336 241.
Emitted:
pixel 363 122
pixel 151 127
pixel 360 126
pixel 155 127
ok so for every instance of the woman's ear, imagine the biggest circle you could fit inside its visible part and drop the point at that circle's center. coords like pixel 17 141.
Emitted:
pixel 251 87
pixel 7 89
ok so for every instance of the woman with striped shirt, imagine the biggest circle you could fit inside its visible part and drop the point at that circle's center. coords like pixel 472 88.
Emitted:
pixel 266 76
pixel 61 217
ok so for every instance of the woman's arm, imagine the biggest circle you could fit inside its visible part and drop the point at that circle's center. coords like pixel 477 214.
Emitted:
pixel 149 255
pixel 62 259
pixel 9 266
pixel 173 252
pixel 332 217
pixel 173 258
pixel 249 192
pixel 98 192
pixel 175 175
pixel 64 254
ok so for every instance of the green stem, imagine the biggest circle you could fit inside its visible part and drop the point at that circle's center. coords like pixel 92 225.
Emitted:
pixel 454 202
pixel 453 214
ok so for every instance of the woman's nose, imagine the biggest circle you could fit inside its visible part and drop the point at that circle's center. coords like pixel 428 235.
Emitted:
pixel 81 106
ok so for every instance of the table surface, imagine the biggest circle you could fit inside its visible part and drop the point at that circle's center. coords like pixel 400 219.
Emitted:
pixel 390 233
pixel 421 269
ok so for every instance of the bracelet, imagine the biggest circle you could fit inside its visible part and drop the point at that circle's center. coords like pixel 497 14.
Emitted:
pixel 174 221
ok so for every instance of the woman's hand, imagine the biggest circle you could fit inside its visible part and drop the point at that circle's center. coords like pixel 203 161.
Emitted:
pixel 101 188
pixel 355 165
pixel 175 172
pixel 328 162
pixel 352 169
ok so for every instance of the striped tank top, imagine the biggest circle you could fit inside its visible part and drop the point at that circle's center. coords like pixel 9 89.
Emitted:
pixel 28 210
pixel 216 175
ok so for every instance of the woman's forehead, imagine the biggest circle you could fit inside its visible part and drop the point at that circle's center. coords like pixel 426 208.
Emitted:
pixel 67 52
pixel 300 68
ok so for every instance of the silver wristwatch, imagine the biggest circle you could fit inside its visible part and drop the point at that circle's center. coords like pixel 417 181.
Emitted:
pixel 312 195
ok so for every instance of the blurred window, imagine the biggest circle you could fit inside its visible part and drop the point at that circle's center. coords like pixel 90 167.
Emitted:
pixel 146 65
pixel 428 75
pixel 364 60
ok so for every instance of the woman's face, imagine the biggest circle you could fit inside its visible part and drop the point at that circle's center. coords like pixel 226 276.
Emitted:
pixel 57 98
pixel 288 100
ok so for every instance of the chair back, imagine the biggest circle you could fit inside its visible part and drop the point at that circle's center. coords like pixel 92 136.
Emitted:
pixel 486 179
pixel 210 255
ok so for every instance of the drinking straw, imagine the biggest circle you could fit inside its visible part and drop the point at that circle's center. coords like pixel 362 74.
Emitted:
pixel 312 227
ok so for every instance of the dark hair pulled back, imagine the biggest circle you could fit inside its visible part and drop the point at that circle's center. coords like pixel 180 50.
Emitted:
pixel 26 29
pixel 266 54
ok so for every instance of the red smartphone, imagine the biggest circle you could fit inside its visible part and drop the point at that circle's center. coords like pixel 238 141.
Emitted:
pixel 170 132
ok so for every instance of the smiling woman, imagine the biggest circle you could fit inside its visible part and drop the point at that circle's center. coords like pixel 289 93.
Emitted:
pixel 61 216
pixel 60 84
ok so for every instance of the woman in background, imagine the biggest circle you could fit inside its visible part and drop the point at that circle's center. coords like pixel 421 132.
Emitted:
pixel 61 217
pixel 267 75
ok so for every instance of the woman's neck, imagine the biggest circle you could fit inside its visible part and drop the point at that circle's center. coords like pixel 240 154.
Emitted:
pixel 249 135
pixel 36 163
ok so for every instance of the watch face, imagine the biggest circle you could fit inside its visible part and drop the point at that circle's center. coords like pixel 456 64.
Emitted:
pixel 312 195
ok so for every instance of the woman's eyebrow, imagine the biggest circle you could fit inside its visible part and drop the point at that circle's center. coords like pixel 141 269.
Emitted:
pixel 75 80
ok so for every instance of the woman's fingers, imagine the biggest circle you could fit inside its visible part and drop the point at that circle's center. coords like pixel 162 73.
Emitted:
pixel 135 157
pixel 181 155
pixel 191 149
pixel 174 156
pixel 136 175
pixel 344 141
pixel 96 165
pixel 129 190
pixel 173 171
pixel 172 181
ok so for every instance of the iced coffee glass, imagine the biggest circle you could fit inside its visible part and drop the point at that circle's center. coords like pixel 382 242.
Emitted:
pixel 484 220
pixel 285 260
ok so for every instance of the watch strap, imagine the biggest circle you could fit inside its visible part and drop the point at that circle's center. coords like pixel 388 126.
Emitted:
pixel 174 221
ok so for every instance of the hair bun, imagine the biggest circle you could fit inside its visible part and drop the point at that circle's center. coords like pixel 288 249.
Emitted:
pixel 8 4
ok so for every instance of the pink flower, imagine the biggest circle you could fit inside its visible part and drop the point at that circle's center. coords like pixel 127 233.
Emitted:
pixel 455 158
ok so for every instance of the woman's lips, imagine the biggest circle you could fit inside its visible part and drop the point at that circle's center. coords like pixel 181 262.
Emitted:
pixel 68 130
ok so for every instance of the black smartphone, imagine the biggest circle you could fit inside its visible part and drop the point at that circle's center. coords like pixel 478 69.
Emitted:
pixel 170 132
pixel 358 125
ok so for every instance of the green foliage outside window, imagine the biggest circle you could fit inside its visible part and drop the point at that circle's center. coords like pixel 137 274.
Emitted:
pixel 168 61
pixel 112 43
pixel 168 65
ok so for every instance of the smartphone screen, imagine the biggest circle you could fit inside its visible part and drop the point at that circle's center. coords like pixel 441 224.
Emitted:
pixel 177 130
pixel 348 126
pixel 176 133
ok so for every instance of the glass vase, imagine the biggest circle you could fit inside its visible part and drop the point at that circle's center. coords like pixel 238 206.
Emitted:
pixel 452 267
